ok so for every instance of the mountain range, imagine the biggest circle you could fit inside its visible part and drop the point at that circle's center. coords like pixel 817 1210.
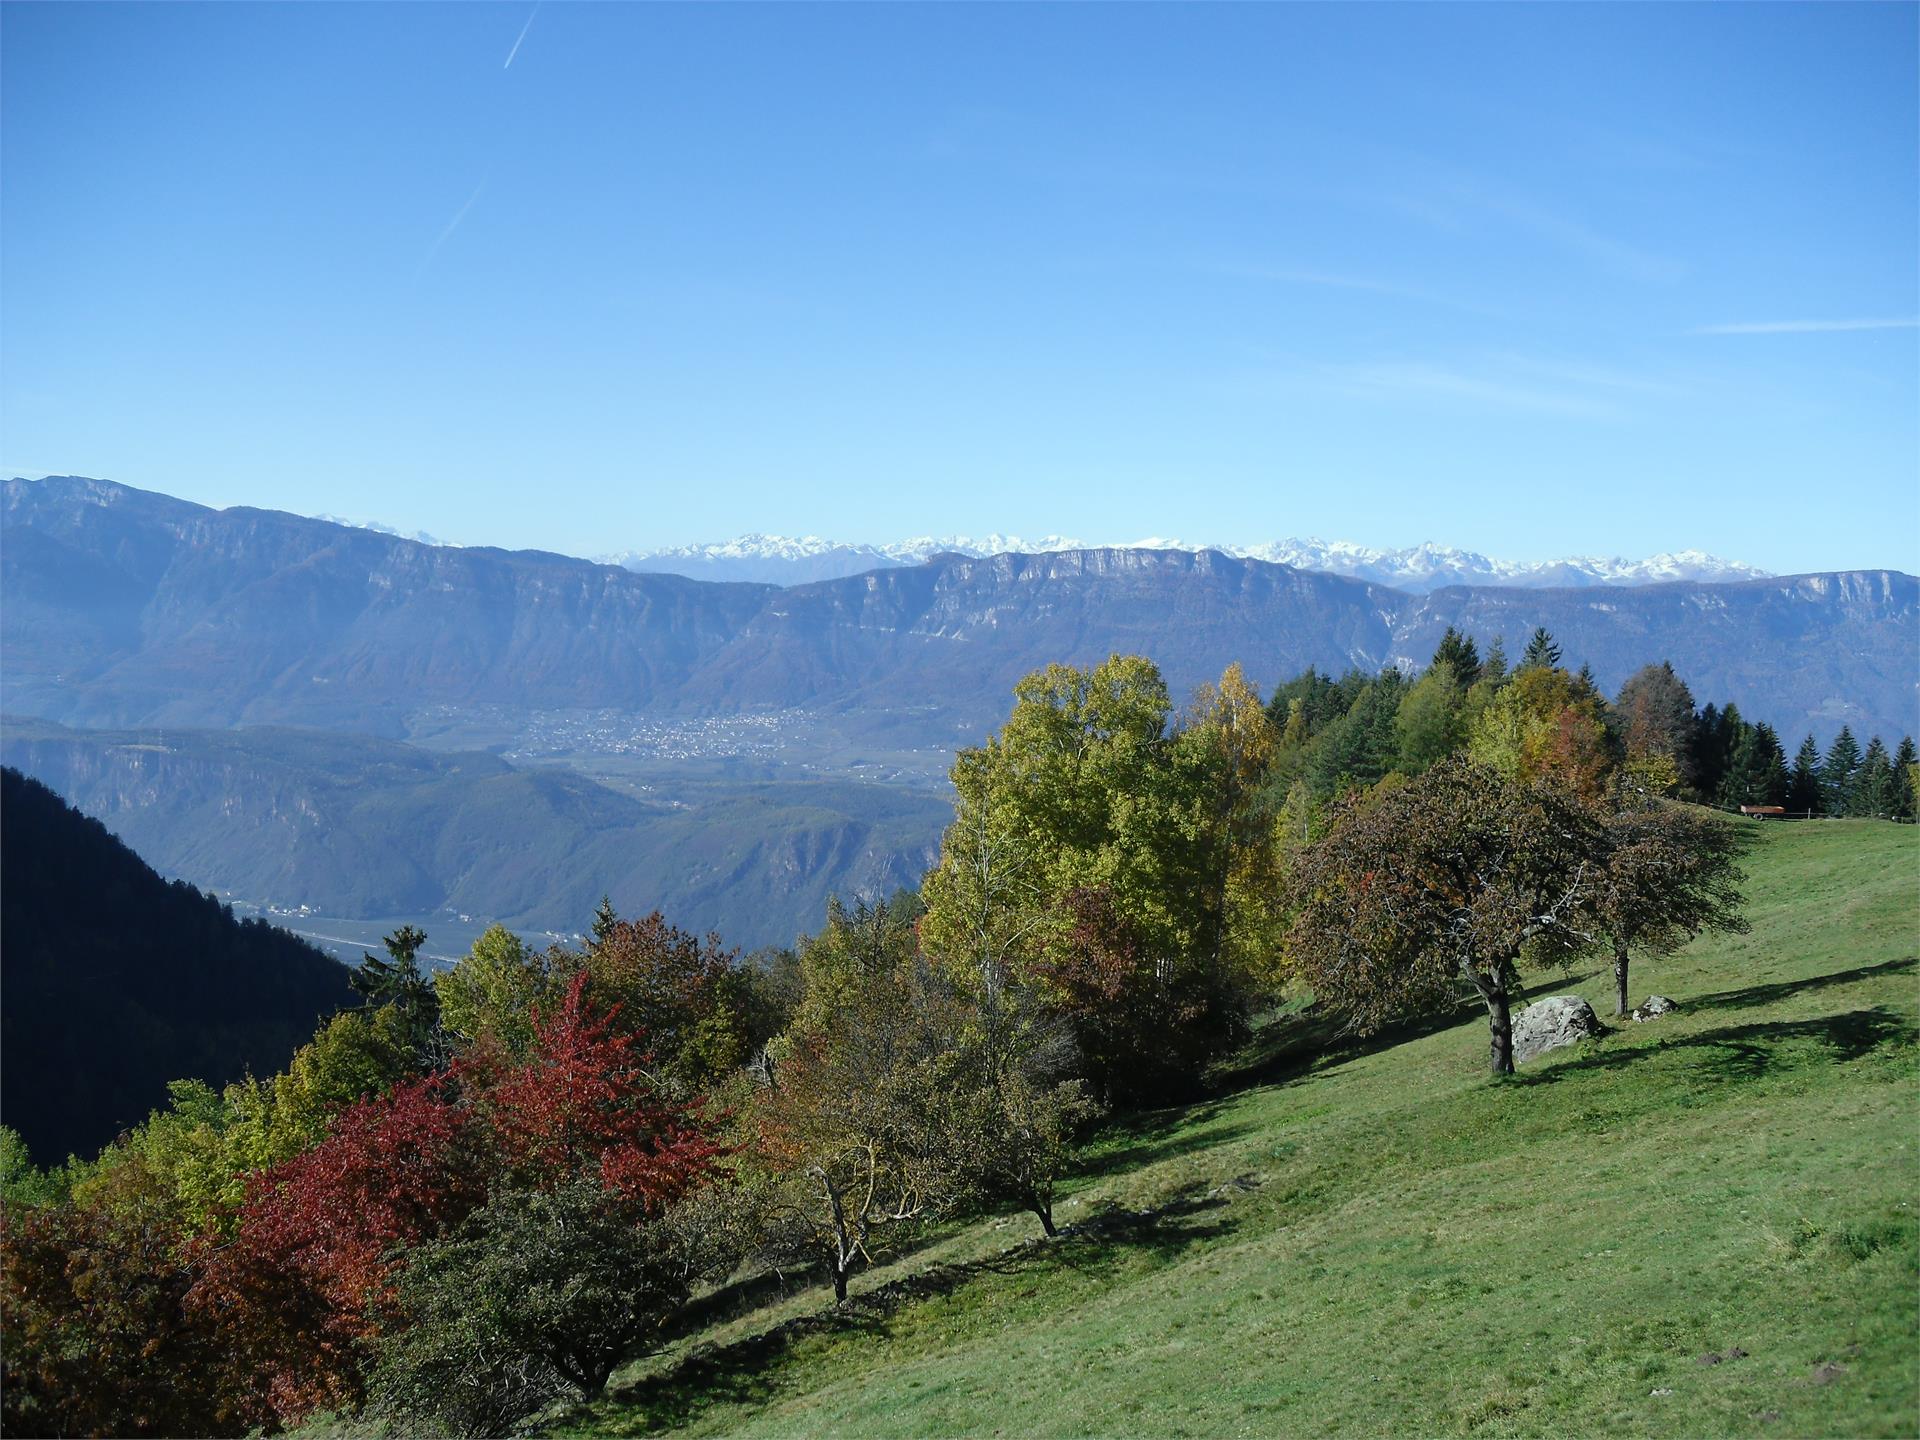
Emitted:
pixel 783 560
pixel 121 607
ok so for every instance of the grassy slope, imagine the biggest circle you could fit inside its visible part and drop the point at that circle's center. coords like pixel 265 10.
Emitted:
pixel 1414 1249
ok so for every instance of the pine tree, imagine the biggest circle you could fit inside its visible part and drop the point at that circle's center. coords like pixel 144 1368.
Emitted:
pixel 1873 786
pixel 1906 779
pixel 1803 787
pixel 1542 653
pixel 1837 772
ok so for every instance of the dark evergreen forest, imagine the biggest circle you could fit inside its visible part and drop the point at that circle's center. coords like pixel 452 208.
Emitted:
pixel 116 981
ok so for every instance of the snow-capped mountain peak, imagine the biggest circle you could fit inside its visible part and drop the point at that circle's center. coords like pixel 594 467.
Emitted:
pixel 786 560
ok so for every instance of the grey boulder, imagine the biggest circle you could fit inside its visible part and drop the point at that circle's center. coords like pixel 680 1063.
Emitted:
pixel 1652 1008
pixel 1550 1023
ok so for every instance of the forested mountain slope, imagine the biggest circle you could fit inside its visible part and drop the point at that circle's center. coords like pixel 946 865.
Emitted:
pixel 117 981
pixel 122 607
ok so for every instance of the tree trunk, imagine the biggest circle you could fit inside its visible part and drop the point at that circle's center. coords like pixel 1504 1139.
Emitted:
pixel 1493 991
pixel 839 1283
pixel 1044 1209
pixel 1620 978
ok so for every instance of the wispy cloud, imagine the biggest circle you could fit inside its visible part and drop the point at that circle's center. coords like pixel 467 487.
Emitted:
pixel 452 225
pixel 1488 390
pixel 520 39
pixel 1500 383
pixel 1806 327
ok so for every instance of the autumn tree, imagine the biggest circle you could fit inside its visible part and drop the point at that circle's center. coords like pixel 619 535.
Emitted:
pixel 99 1337
pixel 1543 725
pixel 1226 743
pixel 1462 875
pixel 1655 714
pixel 1670 874
pixel 857 1127
pixel 683 991
pixel 1087 788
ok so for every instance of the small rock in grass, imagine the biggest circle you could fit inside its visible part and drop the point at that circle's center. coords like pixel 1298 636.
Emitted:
pixel 1828 1373
pixel 1550 1023
pixel 1660 1390
pixel 1708 1359
pixel 1766 1415
pixel 1736 1353
pixel 1653 1007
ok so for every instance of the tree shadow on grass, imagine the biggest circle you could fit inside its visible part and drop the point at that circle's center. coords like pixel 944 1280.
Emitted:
pixel 1748 1052
pixel 1753 995
pixel 1143 1138
pixel 744 1372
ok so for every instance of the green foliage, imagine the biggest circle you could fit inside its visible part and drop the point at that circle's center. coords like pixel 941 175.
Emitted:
pixel 1805 793
pixel 489 996
pixel 1874 795
pixel 1360 747
pixel 539 1294
pixel 1391 1194
pixel 1541 652
pixel 1654 712
pixel 1084 790
pixel 1431 723
pixel 1457 876
pixel 1838 772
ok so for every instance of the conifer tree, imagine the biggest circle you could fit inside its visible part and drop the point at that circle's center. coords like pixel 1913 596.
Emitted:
pixel 1493 669
pixel 1906 779
pixel 1541 653
pixel 398 981
pixel 1873 786
pixel 1803 786
pixel 1838 771
pixel 1458 656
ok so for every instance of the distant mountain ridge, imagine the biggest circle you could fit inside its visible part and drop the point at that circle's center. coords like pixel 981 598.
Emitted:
pixel 785 560
pixel 125 608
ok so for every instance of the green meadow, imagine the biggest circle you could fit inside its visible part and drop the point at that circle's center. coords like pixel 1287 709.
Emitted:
pixel 1702 1225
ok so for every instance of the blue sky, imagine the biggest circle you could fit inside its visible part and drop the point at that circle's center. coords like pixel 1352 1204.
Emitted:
pixel 1537 281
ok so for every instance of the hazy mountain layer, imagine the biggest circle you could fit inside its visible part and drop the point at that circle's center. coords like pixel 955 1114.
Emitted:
pixel 360 827
pixel 121 607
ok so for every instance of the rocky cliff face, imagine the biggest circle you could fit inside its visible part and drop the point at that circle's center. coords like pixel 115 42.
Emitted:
pixel 122 607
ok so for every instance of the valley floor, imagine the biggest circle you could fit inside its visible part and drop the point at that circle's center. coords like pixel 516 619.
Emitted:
pixel 1704 1225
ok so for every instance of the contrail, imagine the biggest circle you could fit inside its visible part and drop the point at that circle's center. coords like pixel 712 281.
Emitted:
pixel 523 34
pixel 452 225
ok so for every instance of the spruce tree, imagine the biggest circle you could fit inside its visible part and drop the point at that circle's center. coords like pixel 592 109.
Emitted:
pixel 1493 669
pixel 1803 786
pixel 1873 785
pixel 1837 772
pixel 1769 775
pixel 1457 655
pixel 1906 780
pixel 1541 652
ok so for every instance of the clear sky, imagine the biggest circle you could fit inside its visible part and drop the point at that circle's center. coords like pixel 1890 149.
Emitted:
pixel 1537 281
